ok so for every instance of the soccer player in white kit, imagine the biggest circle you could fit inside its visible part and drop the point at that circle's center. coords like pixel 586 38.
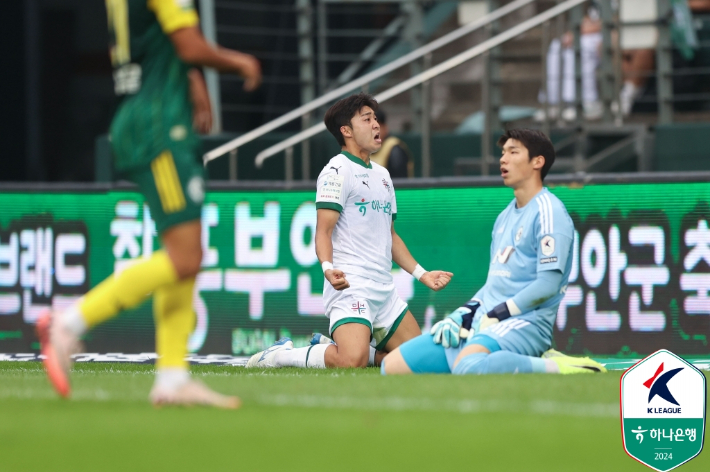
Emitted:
pixel 356 244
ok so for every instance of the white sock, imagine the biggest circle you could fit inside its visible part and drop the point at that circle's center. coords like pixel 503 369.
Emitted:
pixel 171 378
pixel 72 320
pixel 371 359
pixel 311 356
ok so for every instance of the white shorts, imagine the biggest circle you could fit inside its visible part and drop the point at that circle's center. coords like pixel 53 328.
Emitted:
pixel 374 304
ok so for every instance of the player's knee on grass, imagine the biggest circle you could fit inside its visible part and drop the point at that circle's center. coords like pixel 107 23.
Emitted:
pixel 476 363
pixel 499 362
pixel 469 350
pixel 394 364
pixel 352 358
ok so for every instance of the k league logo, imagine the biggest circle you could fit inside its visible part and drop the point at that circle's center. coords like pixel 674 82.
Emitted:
pixel 659 385
pixel 663 411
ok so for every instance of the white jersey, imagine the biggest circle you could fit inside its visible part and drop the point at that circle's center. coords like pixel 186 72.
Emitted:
pixel 364 196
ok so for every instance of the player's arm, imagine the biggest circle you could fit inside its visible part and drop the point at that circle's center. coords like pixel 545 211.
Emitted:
pixel 180 24
pixel 194 49
pixel 537 292
pixel 325 224
pixel 555 234
pixel 201 106
pixel 435 279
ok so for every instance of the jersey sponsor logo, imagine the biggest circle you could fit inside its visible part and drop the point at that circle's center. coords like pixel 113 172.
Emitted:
pixel 376 205
pixel 499 273
pixel 332 188
pixel 547 260
pixel 547 245
pixel 362 206
pixel 519 234
pixel 365 184
pixel 503 256
pixel 335 169
pixel 362 176
pixel 127 79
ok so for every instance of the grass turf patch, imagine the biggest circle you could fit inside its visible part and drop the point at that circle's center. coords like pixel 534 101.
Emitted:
pixel 301 419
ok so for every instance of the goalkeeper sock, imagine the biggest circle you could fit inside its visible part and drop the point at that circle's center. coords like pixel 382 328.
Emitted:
pixel 125 290
pixel 311 356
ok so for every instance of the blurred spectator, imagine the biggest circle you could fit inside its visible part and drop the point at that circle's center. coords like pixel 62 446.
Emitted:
pixel 638 64
pixel 561 53
pixel 699 6
pixel 394 155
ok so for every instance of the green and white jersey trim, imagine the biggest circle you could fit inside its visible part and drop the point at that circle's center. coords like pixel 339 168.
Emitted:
pixel 364 196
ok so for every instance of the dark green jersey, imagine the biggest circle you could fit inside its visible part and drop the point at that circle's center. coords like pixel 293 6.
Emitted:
pixel 155 112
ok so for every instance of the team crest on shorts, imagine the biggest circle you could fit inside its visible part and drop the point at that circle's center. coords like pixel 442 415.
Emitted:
pixel 359 308
pixel 196 189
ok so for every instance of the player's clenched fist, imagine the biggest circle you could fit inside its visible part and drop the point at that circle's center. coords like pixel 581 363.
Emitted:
pixel 337 279
pixel 436 279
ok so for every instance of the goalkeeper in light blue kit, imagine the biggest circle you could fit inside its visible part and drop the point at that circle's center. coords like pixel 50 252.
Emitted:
pixel 507 326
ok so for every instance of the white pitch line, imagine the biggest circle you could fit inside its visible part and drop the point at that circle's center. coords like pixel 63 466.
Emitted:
pixel 398 404
pixel 601 410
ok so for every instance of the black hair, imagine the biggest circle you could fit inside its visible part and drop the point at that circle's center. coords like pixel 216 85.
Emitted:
pixel 537 144
pixel 342 112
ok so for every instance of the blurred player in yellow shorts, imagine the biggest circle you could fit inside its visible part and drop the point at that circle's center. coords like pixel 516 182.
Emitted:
pixel 154 44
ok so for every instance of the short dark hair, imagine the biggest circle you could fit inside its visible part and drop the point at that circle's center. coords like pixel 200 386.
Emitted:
pixel 537 144
pixel 343 111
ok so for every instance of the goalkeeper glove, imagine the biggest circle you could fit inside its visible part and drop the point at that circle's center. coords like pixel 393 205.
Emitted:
pixel 496 315
pixel 449 331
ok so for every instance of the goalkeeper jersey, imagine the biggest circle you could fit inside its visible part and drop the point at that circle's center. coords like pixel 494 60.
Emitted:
pixel 155 110
pixel 364 196
pixel 528 240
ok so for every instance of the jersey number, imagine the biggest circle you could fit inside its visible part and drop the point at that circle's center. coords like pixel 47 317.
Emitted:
pixel 118 26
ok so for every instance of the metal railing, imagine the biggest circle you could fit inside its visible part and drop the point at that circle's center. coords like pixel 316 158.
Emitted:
pixel 609 76
pixel 232 146
pixel 288 144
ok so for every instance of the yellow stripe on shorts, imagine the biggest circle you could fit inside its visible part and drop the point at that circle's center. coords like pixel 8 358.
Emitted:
pixel 168 183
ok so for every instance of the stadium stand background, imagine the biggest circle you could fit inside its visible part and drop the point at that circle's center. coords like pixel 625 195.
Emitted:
pixel 60 100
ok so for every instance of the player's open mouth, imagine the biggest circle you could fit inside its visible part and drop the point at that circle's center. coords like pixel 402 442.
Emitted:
pixel 503 172
pixel 378 139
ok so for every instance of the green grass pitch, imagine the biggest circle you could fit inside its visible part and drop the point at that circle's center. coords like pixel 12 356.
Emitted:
pixel 294 420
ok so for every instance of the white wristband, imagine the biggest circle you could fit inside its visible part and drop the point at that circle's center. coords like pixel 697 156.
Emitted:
pixel 326 265
pixel 418 272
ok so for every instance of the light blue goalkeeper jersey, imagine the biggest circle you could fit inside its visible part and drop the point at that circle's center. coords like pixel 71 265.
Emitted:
pixel 528 240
